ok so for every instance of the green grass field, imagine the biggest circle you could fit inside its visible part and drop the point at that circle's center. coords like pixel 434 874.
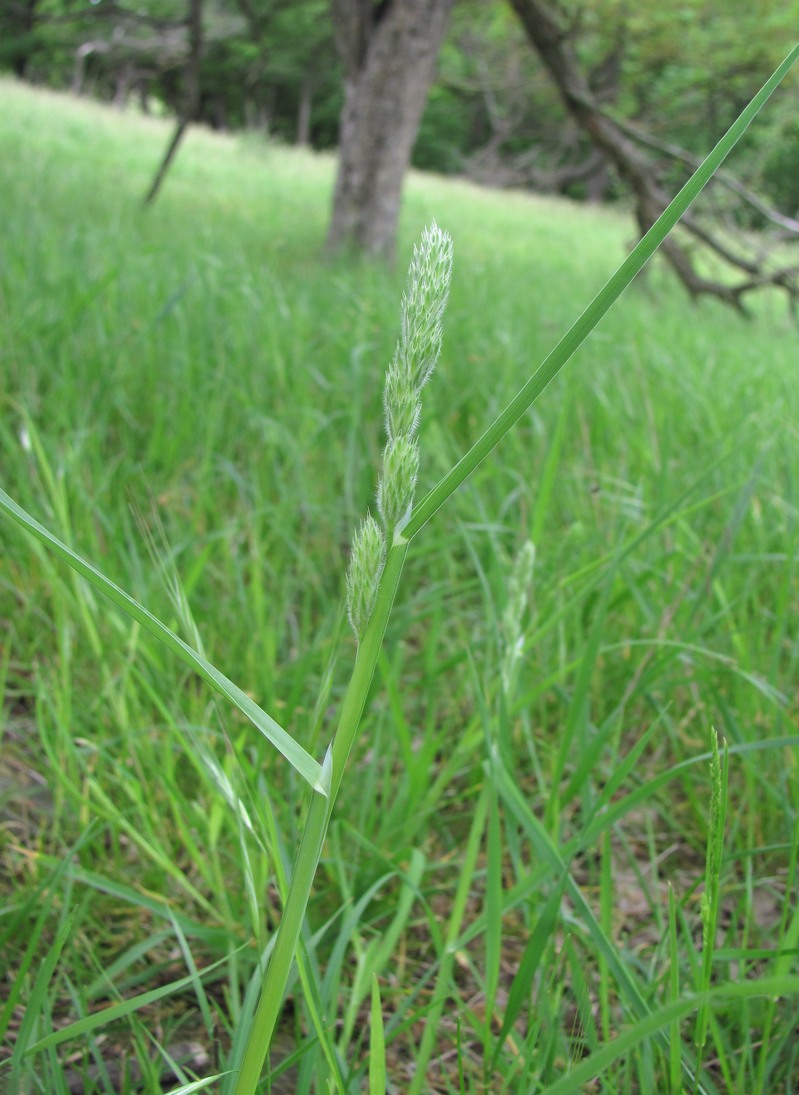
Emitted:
pixel 198 378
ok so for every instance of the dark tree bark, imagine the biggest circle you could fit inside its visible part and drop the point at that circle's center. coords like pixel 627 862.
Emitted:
pixel 304 110
pixel 550 38
pixel 17 25
pixel 124 79
pixel 191 95
pixel 86 49
pixel 389 52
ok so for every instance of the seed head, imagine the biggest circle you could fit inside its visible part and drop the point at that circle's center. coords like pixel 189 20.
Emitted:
pixel 512 636
pixel 423 304
pixel 397 483
pixel 401 403
pixel 366 566
pixel 417 351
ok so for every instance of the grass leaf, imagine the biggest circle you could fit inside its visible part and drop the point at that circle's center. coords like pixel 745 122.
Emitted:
pixel 294 753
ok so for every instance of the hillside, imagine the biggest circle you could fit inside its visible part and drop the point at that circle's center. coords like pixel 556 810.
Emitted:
pixel 201 372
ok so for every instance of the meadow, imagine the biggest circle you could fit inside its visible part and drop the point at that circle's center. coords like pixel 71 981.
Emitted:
pixel 190 397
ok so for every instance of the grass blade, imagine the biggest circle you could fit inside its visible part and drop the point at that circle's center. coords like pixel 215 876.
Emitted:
pixel 37 999
pixel 294 753
pixel 711 897
pixel 523 985
pixel 116 1011
pixel 606 297
pixel 674 994
pixel 197 1085
pixel 442 989
pixel 545 847
pixel 377 1044
pixel 656 1021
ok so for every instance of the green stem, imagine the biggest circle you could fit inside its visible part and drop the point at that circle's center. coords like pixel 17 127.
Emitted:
pixel 288 932
pixel 368 652
pixel 315 831
pixel 607 296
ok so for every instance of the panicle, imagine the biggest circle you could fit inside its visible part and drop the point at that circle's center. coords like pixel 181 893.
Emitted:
pixel 401 403
pixel 424 302
pixel 417 352
pixel 512 634
pixel 396 485
pixel 363 577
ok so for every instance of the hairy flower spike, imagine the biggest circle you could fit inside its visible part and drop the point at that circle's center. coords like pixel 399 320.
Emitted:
pixel 417 352
pixel 397 483
pixel 363 577
pixel 401 402
pixel 423 304
pixel 513 639
pixel 520 579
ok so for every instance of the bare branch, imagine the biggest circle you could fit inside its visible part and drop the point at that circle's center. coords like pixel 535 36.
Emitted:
pixel 99 14
pixel 621 145
pixel 723 177
pixel 191 95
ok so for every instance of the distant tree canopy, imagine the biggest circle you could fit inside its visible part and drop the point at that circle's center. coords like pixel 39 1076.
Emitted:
pixel 269 64
pixel 681 71
pixel 667 77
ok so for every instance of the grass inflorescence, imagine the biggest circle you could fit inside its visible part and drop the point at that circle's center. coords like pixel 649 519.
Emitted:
pixel 525 854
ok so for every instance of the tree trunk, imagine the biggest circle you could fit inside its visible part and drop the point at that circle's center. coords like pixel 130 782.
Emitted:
pixel 304 110
pixel 191 96
pixel 540 21
pixel 388 52
pixel 19 23
pixel 122 88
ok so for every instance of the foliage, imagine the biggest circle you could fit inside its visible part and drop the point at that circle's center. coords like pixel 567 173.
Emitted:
pixel 524 827
pixel 781 166
pixel 259 55
pixel 682 72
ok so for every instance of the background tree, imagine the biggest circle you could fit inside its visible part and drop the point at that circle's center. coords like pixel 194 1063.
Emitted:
pixel 17 35
pixel 388 52
pixel 612 98
pixel 549 32
pixel 679 74
pixel 286 69
pixel 268 64
pixel 493 91
pixel 191 92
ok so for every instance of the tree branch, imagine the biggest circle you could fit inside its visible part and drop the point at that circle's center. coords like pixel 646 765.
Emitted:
pixel 191 98
pixel 723 177
pixel 541 22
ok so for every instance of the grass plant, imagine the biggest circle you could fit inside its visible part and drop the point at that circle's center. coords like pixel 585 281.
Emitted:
pixel 491 888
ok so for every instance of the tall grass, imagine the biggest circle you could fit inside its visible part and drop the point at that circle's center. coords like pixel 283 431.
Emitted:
pixel 497 864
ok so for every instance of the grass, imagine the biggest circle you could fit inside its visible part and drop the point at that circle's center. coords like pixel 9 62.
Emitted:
pixel 502 854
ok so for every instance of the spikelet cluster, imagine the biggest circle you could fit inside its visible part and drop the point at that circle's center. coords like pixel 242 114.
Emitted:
pixel 417 352
pixel 366 565
pixel 512 634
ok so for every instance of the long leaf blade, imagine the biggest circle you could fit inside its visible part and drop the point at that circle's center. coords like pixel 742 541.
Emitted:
pixel 592 1067
pixel 116 1011
pixel 294 753
pixel 606 296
